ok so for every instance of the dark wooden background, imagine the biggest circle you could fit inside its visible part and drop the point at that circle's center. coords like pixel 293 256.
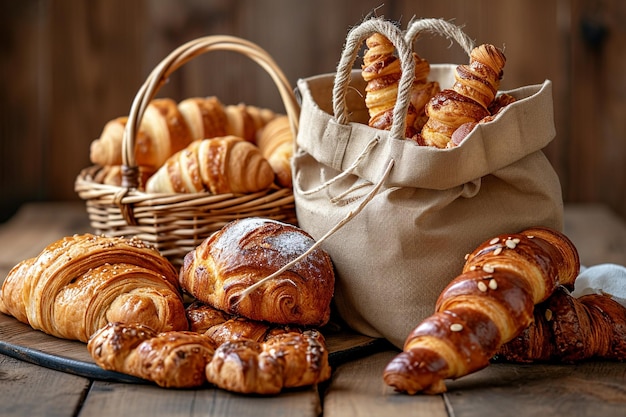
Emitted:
pixel 67 67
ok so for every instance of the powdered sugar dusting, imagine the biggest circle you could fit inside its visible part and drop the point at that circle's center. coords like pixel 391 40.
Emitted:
pixel 277 247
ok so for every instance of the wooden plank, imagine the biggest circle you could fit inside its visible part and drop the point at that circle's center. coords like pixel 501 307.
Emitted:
pixel 357 388
pixel 29 390
pixel 109 399
pixel 584 389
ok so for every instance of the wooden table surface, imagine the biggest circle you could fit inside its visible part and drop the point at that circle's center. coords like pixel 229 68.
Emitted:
pixel 594 388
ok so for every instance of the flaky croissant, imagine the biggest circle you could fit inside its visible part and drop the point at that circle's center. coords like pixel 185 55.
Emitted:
pixel 246 251
pixel 283 360
pixel 469 98
pixel 207 118
pixel 381 70
pixel 112 175
pixel 163 131
pixel 569 329
pixel 167 127
pixel 221 165
pixel 185 359
pixel 174 359
pixel 259 357
pixel 489 304
pixel 80 283
pixel 275 141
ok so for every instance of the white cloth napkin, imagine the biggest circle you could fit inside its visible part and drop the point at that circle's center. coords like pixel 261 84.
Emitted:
pixel 609 279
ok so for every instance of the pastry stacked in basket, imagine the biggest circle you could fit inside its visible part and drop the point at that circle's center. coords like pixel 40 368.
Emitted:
pixel 200 145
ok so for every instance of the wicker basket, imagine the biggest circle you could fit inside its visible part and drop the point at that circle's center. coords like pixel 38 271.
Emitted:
pixel 176 223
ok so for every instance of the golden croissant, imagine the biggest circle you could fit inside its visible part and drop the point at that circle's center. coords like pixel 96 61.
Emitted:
pixel 469 98
pixel 568 329
pixel 170 359
pixel 275 141
pixel 259 357
pixel 167 127
pixel 78 284
pixel 381 70
pixel 488 305
pixel 220 165
pixel 246 251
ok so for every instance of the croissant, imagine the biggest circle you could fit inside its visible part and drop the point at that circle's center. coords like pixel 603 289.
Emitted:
pixel 79 283
pixel 221 327
pixel 163 131
pixel 489 304
pixel 275 141
pixel 381 70
pixel 185 359
pixel 258 357
pixel 468 100
pixel 227 164
pixel 284 360
pixel 209 118
pixel 170 359
pixel 248 250
pixel 168 127
pixel 112 175
pixel 569 329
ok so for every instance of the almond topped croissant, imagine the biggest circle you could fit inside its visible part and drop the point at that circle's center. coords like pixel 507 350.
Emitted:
pixel 488 305
pixel 78 284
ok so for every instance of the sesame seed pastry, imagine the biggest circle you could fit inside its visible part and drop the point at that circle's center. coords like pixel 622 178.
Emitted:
pixel 78 284
pixel 489 304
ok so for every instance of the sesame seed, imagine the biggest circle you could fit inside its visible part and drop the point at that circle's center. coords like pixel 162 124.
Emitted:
pixel 473 268
pixel 456 327
pixel 481 286
pixel 494 241
pixel 516 240
pixel 548 314
pixel 530 236
pixel 493 284
pixel 510 244
pixel 498 250
pixel 488 268
pixel 467 255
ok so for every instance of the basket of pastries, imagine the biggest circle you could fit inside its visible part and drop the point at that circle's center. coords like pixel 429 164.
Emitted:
pixel 172 173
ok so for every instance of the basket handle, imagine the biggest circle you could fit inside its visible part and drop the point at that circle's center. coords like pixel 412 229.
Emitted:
pixel 178 58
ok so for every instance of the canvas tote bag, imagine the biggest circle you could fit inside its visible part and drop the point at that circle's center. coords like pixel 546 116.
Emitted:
pixel 398 218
